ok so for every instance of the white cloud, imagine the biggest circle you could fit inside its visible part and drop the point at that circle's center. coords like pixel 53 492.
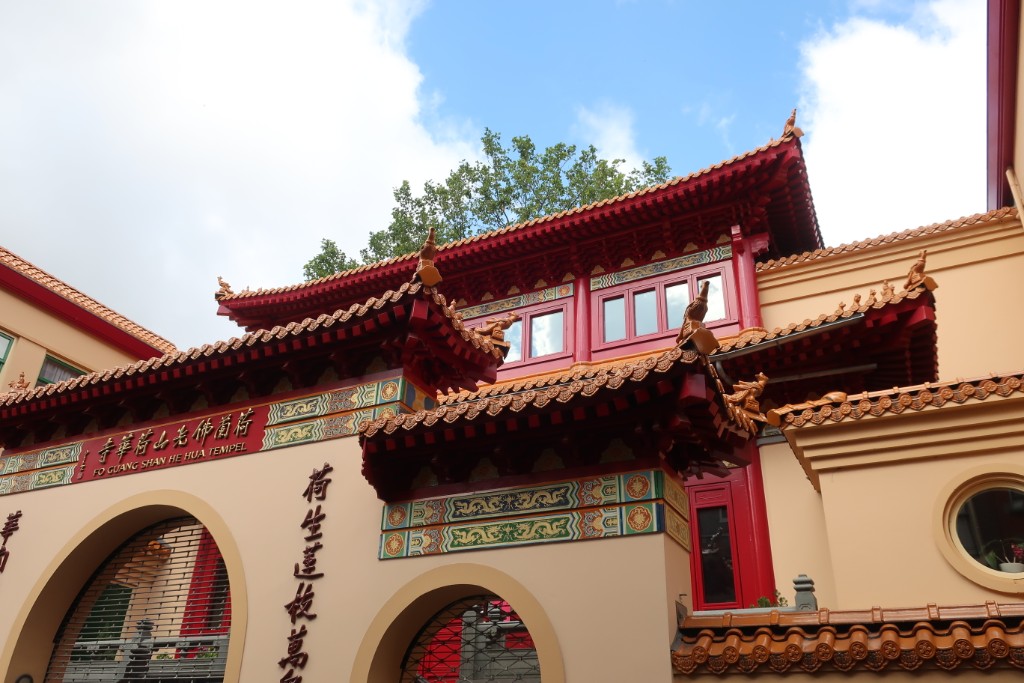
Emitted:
pixel 146 148
pixel 609 127
pixel 895 116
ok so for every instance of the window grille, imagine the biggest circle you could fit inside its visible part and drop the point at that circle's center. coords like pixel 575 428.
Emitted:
pixel 473 640
pixel 158 609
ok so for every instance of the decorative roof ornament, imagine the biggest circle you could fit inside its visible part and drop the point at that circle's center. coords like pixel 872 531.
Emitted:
pixel 426 272
pixel 20 384
pixel 224 291
pixel 495 329
pixel 917 277
pixel 744 404
pixel 693 329
pixel 791 129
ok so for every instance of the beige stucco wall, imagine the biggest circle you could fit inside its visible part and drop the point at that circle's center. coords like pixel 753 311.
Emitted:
pixel 601 598
pixel 886 485
pixel 978 270
pixel 796 524
pixel 37 333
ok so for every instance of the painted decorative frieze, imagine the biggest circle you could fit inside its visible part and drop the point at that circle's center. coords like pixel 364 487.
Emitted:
pixel 550 294
pixel 213 436
pixel 581 509
pixel 660 267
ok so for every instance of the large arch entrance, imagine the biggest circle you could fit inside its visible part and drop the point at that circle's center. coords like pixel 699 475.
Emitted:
pixel 474 639
pixel 42 622
pixel 159 608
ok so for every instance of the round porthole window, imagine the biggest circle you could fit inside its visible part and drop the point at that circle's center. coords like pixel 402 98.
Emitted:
pixel 990 527
pixel 979 526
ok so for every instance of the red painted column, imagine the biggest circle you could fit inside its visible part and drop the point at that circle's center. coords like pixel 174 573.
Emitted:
pixel 759 518
pixel 581 311
pixel 744 249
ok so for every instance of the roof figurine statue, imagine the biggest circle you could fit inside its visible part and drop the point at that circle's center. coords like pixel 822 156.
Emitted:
pixel 791 129
pixel 224 291
pixel 917 277
pixel 693 329
pixel 495 329
pixel 20 384
pixel 426 272
pixel 744 402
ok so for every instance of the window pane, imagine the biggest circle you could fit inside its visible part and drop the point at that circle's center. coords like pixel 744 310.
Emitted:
pixel 514 337
pixel 5 346
pixel 716 555
pixel 54 371
pixel 614 319
pixel 677 298
pixel 645 312
pixel 716 298
pixel 990 526
pixel 546 334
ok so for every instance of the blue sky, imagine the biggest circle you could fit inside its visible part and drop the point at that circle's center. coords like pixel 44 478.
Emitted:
pixel 148 147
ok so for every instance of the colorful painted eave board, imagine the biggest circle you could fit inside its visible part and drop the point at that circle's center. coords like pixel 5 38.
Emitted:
pixel 644 502
pixel 206 436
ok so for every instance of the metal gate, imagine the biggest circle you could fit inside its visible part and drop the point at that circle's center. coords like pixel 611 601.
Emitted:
pixel 476 639
pixel 159 609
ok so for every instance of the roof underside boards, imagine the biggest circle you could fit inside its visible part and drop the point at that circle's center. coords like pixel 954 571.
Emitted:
pixel 880 343
pixel 72 306
pixel 411 328
pixel 664 410
pixel 763 191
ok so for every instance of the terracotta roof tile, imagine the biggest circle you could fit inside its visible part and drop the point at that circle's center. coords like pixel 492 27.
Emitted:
pixel 561 388
pixel 578 371
pixel 756 335
pixel 837 406
pixel 411 257
pixel 66 291
pixel 967 221
pixel 251 339
pixel 950 638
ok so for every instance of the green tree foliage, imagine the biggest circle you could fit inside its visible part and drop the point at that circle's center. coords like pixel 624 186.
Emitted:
pixel 329 260
pixel 510 185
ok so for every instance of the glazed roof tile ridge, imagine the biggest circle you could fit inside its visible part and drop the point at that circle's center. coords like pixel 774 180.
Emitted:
pixel 977 636
pixel 956 223
pixel 756 335
pixel 510 228
pixel 899 399
pixel 575 372
pixel 83 301
pixel 604 377
pixel 251 339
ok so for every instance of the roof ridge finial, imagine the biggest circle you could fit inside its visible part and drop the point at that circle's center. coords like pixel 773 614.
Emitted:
pixel 224 291
pixel 693 323
pixel 426 272
pixel 917 277
pixel 20 384
pixel 791 129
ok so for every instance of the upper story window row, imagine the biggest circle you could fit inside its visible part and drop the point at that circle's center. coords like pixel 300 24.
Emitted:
pixel 612 314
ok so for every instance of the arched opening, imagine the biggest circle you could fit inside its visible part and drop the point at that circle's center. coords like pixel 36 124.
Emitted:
pixel 416 613
pixel 478 638
pixel 47 604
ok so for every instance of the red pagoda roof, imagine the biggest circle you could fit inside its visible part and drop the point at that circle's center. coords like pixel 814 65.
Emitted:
pixel 764 190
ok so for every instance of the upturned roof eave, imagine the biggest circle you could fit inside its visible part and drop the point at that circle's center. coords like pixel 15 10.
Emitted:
pixel 250 308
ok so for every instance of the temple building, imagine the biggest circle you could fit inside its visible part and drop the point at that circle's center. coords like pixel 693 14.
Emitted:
pixel 50 331
pixel 666 435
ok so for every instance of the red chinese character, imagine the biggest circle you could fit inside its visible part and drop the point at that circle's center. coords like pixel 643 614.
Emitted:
pixel 308 570
pixel 318 482
pixel 301 605
pixel 312 523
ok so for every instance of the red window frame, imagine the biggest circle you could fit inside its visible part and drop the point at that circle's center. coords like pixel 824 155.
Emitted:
pixel 658 284
pixel 528 365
